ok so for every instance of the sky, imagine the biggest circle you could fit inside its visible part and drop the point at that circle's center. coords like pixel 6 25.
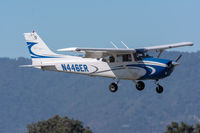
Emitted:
pixel 94 23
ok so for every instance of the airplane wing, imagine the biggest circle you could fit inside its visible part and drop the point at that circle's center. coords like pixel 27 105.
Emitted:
pixel 109 50
pixel 100 52
pixel 168 46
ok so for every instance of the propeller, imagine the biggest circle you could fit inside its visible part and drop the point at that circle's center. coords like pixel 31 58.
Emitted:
pixel 175 63
pixel 179 57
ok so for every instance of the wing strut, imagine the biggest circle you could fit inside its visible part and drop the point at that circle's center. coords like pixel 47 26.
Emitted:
pixel 160 53
pixel 125 45
pixel 114 45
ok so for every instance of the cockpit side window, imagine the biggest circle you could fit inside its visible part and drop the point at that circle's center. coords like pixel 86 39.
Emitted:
pixel 127 58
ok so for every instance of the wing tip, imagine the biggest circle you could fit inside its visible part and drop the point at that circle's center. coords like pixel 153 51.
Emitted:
pixel 189 43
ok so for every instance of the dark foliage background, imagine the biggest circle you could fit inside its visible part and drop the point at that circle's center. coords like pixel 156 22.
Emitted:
pixel 58 124
pixel 175 127
pixel 28 95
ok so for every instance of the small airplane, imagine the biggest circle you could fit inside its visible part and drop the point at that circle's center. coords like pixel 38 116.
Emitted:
pixel 117 63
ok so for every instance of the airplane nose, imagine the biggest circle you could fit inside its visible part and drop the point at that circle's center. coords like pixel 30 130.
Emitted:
pixel 169 64
pixel 170 67
pixel 172 64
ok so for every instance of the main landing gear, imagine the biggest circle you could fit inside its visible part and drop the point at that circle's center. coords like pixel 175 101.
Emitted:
pixel 113 87
pixel 140 85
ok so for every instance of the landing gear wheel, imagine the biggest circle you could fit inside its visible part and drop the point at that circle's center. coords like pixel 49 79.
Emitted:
pixel 159 89
pixel 140 85
pixel 113 87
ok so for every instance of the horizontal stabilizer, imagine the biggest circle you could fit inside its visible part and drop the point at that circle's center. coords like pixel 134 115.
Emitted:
pixel 72 49
pixel 35 65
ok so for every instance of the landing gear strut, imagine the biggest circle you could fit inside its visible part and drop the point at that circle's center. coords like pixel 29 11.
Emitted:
pixel 159 88
pixel 140 85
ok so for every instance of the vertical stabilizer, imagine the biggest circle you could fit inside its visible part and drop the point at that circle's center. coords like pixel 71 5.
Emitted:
pixel 37 48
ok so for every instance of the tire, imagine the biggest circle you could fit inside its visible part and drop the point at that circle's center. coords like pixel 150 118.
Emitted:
pixel 159 89
pixel 113 87
pixel 140 85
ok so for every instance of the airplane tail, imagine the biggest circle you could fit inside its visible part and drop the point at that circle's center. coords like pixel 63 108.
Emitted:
pixel 37 48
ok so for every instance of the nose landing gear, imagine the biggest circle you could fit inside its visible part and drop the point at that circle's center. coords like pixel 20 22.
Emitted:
pixel 159 88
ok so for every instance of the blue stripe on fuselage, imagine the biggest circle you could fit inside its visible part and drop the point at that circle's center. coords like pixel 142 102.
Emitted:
pixel 164 61
pixel 160 71
pixel 152 71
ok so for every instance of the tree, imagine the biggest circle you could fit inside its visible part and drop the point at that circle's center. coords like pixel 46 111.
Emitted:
pixel 58 124
pixel 174 127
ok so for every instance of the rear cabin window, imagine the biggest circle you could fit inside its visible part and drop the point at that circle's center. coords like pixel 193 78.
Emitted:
pixel 124 58
pixel 109 59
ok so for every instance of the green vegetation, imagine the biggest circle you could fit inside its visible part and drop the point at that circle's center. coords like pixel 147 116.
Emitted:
pixel 174 127
pixel 58 124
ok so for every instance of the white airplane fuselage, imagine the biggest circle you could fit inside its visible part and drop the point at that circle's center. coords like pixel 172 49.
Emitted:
pixel 149 68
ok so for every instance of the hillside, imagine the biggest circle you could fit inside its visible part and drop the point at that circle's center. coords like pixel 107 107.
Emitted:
pixel 28 95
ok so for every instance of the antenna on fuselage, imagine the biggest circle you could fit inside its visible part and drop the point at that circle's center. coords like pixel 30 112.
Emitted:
pixel 113 44
pixel 125 45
